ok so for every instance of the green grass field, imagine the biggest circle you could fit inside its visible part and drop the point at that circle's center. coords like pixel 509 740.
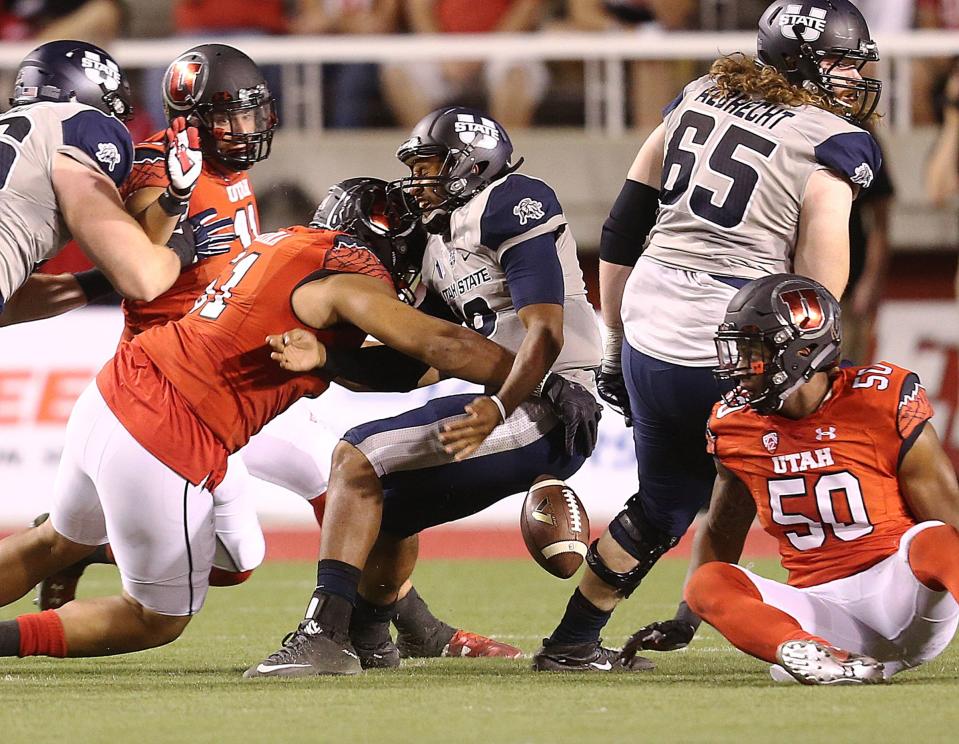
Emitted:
pixel 192 691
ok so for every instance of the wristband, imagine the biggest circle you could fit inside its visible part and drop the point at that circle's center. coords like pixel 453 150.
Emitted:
pixel 171 205
pixel 500 406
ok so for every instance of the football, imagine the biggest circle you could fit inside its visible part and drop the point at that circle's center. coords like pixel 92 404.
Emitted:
pixel 555 526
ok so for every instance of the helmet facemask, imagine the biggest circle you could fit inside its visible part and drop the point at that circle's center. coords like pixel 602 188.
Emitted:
pixel 238 133
pixel 815 68
pixel 748 358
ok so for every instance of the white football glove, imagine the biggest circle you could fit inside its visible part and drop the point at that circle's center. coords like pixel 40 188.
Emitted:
pixel 184 160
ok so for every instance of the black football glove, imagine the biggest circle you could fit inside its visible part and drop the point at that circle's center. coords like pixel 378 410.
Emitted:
pixel 612 389
pixel 578 411
pixel 665 635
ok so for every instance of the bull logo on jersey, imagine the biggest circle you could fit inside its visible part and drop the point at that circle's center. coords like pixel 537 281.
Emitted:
pixel 803 309
pixel 483 134
pixel 794 24
pixel 182 87
pixel 529 209
pixel 108 154
pixel 863 175
pixel 101 71
pixel 771 441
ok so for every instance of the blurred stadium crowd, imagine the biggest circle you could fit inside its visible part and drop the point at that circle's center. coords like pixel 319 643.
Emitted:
pixel 519 94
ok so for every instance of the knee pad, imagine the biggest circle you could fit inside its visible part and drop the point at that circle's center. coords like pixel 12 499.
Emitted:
pixel 644 542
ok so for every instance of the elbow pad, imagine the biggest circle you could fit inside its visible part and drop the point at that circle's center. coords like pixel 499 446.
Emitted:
pixel 629 223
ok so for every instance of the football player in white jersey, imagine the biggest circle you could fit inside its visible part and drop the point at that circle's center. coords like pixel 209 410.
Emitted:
pixel 752 172
pixel 500 258
pixel 63 152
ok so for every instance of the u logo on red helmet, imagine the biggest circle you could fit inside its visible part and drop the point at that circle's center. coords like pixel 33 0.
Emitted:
pixel 183 81
pixel 804 309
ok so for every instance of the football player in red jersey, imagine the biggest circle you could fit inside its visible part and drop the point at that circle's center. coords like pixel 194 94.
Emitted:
pixel 148 442
pixel 223 93
pixel 846 472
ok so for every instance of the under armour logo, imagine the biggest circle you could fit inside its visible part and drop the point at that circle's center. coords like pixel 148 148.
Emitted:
pixel 825 432
pixel 794 24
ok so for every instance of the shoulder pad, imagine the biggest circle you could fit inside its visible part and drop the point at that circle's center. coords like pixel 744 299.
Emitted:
pixel 854 155
pixel 518 208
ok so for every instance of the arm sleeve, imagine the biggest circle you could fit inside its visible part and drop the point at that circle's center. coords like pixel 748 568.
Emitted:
pixel 518 209
pixel 629 223
pixel 534 274
pixel 377 367
pixel 103 139
pixel 854 155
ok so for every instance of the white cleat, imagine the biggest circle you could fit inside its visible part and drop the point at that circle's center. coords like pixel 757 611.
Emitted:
pixel 812 663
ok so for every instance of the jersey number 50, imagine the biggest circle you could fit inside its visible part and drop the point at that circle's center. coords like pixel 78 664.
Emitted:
pixel 825 488
pixel 684 151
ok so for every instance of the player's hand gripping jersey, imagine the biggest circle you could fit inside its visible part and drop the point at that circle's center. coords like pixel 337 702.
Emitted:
pixel 30 138
pixel 195 390
pixel 826 486
pixel 734 174
pixel 224 220
pixel 475 270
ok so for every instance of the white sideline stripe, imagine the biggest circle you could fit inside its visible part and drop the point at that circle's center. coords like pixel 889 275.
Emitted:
pixel 543 484
pixel 564 546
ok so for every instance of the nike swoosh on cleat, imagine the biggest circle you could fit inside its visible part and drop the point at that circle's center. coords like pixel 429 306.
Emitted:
pixel 604 667
pixel 267 668
pixel 350 653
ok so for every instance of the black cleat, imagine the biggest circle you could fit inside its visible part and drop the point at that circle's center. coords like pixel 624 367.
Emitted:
pixel 307 652
pixel 383 655
pixel 428 643
pixel 591 656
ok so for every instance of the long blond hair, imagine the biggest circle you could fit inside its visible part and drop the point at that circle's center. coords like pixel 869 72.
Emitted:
pixel 738 73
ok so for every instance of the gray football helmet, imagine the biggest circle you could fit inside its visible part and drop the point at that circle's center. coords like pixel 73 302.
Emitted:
pixel 794 37
pixel 474 150
pixel 782 327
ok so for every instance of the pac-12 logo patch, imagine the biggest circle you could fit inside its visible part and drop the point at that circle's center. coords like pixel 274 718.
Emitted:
pixel 794 24
pixel 771 441
pixel 529 209
pixel 108 154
